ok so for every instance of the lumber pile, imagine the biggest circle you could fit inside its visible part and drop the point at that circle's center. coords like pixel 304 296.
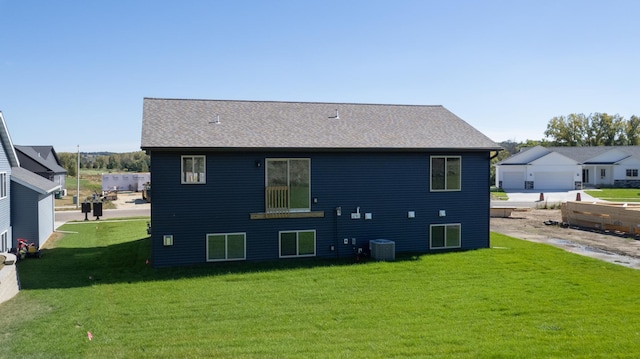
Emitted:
pixel 505 212
pixel 605 216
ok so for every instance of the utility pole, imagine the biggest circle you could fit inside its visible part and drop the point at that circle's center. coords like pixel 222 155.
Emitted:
pixel 78 176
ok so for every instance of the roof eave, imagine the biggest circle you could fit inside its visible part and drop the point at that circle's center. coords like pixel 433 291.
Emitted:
pixel 321 149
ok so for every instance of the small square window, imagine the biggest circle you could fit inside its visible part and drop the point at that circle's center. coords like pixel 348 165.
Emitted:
pixel 193 169
pixel 446 173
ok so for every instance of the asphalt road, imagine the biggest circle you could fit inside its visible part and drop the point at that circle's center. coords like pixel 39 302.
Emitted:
pixel 76 215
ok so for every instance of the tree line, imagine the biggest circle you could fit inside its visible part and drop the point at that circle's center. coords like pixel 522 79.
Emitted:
pixel 596 129
pixel 577 129
pixel 108 161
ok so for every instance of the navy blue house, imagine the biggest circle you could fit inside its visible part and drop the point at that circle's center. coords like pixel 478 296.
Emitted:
pixel 249 180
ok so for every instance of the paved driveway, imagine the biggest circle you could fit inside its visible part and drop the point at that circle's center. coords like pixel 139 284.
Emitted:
pixel 531 198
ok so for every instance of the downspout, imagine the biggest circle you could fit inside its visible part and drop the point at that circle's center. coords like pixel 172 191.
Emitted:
pixel 338 213
pixel 494 155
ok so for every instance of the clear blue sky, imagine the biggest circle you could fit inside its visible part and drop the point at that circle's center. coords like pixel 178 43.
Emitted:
pixel 76 72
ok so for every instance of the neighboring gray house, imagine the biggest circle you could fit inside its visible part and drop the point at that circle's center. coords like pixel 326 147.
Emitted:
pixel 568 168
pixel 32 206
pixel 26 199
pixel 8 160
pixel 43 161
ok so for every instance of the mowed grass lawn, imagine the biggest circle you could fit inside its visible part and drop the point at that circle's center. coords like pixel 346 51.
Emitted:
pixel 517 299
pixel 616 194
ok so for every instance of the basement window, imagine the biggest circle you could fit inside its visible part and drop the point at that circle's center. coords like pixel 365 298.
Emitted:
pixel 297 243
pixel 444 236
pixel 226 247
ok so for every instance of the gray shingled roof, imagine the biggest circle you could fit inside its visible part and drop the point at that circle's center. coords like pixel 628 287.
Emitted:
pixel 174 123
pixel 585 153
pixel 582 154
pixel 44 155
pixel 33 181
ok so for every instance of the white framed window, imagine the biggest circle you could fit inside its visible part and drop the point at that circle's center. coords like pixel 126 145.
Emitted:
pixel 193 169
pixel 632 172
pixel 603 172
pixel 297 243
pixel 226 247
pixel 288 185
pixel 446 173
pixel 442 236
pixel 4 241
pixel 3 185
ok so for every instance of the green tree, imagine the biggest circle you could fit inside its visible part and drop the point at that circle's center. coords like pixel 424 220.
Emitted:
pixel 114 162
pixel 605 130
pixel 632 131
pixel 68 161
pixel 568 131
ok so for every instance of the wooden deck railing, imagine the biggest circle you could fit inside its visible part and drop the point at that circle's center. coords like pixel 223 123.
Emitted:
pixel 277 199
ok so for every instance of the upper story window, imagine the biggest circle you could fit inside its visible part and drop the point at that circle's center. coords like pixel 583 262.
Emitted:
pixel 632 173
pixel 288 185
pixel 194 169
pixel 446 173
pixel 3 185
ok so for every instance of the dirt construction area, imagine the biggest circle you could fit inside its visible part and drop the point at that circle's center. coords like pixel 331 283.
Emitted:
pixel 608 246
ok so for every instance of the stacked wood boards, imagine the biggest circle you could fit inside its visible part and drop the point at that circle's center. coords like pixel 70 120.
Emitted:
pixel 606 216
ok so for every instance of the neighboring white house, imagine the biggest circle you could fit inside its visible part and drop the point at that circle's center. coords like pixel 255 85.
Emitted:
pixel 567 168
pixel 125 181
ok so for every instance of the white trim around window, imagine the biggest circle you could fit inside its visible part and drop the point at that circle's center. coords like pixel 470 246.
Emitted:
pixel 288 185
pixel 445 173
pixel 193 169
pixel 300 243
pixel 3 185
pixel 444 236
pixel 4 241
pixel 226 247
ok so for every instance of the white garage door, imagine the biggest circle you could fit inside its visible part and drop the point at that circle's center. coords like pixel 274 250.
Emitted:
pixel 513 180
pixel 554 180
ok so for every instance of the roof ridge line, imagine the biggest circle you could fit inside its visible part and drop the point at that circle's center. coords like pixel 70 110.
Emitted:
pixel 290 102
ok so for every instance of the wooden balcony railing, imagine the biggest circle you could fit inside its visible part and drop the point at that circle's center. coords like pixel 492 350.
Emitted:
pixel 277 199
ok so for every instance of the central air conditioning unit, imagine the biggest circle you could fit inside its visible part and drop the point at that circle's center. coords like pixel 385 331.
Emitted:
pixel 382 249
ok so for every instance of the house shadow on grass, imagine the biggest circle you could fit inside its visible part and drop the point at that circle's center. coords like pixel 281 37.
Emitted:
pixel 127 262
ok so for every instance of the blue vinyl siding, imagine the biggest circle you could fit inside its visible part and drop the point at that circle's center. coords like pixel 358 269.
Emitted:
pixel 24 211
pixel 388 185
pixel 5 203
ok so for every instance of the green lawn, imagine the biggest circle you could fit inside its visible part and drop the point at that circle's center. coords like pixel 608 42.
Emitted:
pixel 616 194
pixel 518 299
pixel 498 194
